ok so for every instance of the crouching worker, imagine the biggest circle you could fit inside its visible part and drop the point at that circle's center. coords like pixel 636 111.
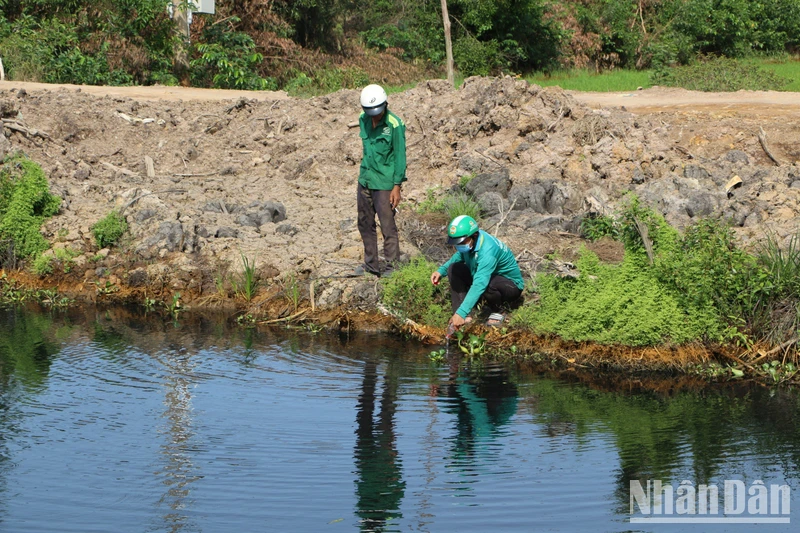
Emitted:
pixel 482 268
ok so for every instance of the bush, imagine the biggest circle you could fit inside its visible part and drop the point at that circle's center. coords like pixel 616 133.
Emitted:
pixel 408 292
pixel 108 230
pixel 477 58
pixel 719 75
pixel 25 202
pixel 622 304
pixel 228 60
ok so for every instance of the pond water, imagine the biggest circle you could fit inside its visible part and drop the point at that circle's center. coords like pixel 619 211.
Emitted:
pixel 114 422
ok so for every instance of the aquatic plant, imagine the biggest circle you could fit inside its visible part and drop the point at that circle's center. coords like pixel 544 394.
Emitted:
pixel 108 230
pixel 247 282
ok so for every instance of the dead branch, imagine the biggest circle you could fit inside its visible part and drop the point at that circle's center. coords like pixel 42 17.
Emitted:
pixel 644 231
pixel 762 138
pixel 285 319
pixel 503 215
pixel 204 175
pixel 139 197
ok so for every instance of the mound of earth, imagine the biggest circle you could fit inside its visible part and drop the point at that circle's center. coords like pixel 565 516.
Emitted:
pixel 208 178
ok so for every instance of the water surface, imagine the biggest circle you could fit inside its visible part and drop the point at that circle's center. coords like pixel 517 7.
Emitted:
pixel 114 422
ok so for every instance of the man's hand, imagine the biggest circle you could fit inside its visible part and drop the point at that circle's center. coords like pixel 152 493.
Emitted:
pixel 457 321
pixel 436 277
pixel 395 196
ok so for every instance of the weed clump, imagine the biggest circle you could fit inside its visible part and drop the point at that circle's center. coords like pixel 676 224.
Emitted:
pixel 409 293
pixel 720 74
pixel 108 230
pixel 670 288
pixel 25 203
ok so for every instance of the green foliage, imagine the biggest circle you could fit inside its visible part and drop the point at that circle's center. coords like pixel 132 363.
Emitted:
pixel 461 203
pixel 114 43
pixel 409 292
pixel 432 203
pixel 25 202
pixel 228 60
pixel 622 304
pixel 596 227
pixel 477 58
pixel 326 81
pixel 247 282
pixel 720 74
pixel 108 230
pixel 43 265
pixel 710 271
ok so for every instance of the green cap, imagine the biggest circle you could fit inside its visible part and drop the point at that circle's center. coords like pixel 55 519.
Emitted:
pixel 460 228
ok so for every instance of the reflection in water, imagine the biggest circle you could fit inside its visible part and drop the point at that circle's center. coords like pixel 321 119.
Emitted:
pixel 379 487
pixel 179 471
pixel 485 401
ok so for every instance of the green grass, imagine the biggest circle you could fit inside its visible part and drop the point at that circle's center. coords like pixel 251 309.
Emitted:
pixel 585 80
pixel 630 80
pixel 788 68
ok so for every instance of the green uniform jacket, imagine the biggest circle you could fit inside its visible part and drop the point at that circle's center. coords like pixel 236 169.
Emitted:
pixel 489 257
pixel 384 163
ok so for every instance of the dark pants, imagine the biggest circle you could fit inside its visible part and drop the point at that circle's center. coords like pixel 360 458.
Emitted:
pixel 372 202
pixel 501 290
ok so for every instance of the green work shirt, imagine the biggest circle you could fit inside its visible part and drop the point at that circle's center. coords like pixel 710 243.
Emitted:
pixel 488 258
pixel 384 163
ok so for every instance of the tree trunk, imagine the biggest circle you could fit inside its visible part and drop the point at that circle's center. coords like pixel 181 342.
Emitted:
pixel 181 58
pixel 448 44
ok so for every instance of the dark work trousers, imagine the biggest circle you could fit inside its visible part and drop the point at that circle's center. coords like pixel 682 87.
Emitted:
pixel 501 290
pixel 370 203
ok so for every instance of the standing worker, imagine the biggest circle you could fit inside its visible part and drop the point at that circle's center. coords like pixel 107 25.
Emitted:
pixel 483 267
pixel 383 170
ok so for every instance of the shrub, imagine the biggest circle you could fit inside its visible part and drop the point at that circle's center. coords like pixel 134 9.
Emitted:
pixel 477 58
pixel 718 75
pixel 622 304
pixel 408 292
pixel 25 202
pixel 43 265
pixel 108 230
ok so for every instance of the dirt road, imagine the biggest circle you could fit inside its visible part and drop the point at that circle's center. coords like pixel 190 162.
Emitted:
pixel 645 101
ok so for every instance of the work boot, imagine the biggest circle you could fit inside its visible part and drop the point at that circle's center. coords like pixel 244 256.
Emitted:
pixel 364 269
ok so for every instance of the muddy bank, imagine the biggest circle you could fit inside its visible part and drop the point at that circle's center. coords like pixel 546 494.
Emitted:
pixel 208 185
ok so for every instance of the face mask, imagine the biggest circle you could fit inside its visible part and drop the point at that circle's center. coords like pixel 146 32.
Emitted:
pixel 463 248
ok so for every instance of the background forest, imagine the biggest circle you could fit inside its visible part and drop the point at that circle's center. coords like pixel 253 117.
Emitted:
pixel 307 46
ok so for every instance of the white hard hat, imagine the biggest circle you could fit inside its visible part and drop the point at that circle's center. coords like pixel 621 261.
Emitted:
pixel 373 100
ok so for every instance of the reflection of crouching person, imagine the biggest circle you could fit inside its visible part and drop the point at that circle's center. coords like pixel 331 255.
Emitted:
pixel 483 268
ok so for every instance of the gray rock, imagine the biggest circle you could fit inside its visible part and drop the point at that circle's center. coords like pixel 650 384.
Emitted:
pixel 144 214
pixel 169 236
pixel 795 184
pixel 471 163
pixel 271 212
pixel 5 145
pixel 201 231
pixel 491 203
pixel 225 232
pixel 531 196
pixel 696 172
pixel 701 204
pixel 638 177
pixel 287 229
pixel 498 182
pixel 82 172
pixel 248 220
pixel 737 156
pixel 138 277
pixel 545 223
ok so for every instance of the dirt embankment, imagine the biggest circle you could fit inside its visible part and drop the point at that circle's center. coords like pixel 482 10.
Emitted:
pixel 207 178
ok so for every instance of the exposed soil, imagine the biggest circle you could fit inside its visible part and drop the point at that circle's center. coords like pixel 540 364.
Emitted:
pixel 269 178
